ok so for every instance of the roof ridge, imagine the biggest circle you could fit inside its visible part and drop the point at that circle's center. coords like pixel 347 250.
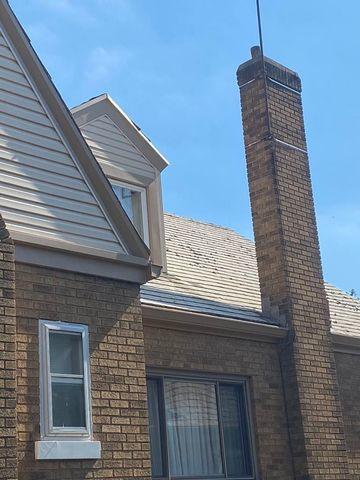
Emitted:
pixel 345 294
pixel 203 222
pixel 105 94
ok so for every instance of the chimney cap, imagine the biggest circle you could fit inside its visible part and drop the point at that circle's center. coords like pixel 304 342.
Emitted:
pixel 255 51
pixel 252 68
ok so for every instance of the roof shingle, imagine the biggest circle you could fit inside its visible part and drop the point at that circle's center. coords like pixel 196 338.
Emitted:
pixel 213 270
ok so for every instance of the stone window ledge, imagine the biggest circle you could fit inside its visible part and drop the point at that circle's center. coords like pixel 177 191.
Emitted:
pixel 67 450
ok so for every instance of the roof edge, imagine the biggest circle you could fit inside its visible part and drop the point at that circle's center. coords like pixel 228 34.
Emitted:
pixel 172 318
pixel 124 122
pixel 345 343
pixel 125 269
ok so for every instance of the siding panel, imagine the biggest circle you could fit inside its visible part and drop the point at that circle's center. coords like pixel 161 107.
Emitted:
pixel 40 163
pixel 42 190
pixel 49 199
pixel 48 177
pixel 17 100
pixel 13 76
pixel 111 147
pixel 27 126
pixel 24 91
pixel 25 114
pixel 55 213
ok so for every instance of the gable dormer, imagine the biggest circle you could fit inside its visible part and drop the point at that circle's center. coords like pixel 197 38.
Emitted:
pixel 131 163
pixel 55 199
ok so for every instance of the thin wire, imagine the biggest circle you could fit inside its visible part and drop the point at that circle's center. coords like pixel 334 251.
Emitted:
pixel 268 119
pixel 259 26
pixel 273 147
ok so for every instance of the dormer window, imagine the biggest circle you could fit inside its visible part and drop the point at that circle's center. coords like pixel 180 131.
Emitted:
pixel 133 201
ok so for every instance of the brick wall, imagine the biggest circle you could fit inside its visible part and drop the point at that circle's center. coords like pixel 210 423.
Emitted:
pixel 111 310
pixel 289 264
pixel 8 439
pixel 171 349
pixel 348 369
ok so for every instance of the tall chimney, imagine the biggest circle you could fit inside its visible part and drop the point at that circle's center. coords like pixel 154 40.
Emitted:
pixel 289 264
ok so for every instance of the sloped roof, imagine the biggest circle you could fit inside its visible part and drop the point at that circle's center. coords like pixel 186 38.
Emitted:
pixel 213 270
pixel 344 312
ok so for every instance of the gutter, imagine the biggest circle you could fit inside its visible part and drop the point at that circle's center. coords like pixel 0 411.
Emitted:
pixel 345 344
pixel 173 319
pixel 184 320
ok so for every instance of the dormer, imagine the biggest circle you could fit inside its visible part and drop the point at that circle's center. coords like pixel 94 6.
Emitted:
pixel 132 165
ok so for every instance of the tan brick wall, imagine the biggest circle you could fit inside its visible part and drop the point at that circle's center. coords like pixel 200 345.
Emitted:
pixel 258 361
pixel 8 438
pixel 112 311
pixel 289 265
pixel 348 369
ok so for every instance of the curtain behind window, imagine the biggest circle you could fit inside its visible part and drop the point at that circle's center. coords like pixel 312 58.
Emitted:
pixel 237 452
pixel 192 429
pixel 157 466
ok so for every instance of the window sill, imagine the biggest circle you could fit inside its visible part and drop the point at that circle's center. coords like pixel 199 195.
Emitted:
pixel 67 450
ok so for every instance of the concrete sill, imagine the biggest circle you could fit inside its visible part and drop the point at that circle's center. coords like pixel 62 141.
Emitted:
pixel 67 450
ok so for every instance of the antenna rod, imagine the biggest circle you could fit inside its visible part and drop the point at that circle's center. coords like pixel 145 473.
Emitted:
pixel 259 26
pixel 268 118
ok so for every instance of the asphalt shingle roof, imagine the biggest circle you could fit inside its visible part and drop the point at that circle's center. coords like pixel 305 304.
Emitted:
pixel 213 270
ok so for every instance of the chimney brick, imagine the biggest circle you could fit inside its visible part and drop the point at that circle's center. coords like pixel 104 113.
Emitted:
pixel 290 272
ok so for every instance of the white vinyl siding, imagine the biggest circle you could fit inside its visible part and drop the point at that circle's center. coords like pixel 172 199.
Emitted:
pixel 43 191
pixel 113 149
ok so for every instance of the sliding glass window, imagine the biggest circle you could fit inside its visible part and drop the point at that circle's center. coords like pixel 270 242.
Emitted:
pixel 199 428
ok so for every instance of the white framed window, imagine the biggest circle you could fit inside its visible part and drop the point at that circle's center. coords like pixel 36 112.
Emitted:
pixel 65 404
pixel 133 201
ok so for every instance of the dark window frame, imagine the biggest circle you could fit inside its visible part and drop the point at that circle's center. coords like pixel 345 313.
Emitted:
pixel 159 375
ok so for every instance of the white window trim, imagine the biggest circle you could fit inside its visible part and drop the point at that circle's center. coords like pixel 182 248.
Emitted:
pixel 143 198
pixel 47 431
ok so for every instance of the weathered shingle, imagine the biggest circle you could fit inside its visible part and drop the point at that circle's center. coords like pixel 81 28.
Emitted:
pixel 344 312
pixel 212 270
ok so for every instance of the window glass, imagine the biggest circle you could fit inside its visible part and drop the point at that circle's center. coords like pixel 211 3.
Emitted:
pixel 67 379
pixel 234 425
pixel 68 403
pixel 66 353
pixel 157 463
pixel 199 429
pixel 192 429
pixel 131 203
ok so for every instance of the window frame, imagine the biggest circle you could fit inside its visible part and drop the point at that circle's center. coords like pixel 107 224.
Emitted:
pixel 47 430
pixel 161 375
pixel 143 201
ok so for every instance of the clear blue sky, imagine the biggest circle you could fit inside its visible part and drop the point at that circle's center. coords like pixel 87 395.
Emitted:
pixel 171 64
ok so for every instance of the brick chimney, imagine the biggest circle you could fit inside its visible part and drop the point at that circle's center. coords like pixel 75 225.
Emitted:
pixel 289 264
